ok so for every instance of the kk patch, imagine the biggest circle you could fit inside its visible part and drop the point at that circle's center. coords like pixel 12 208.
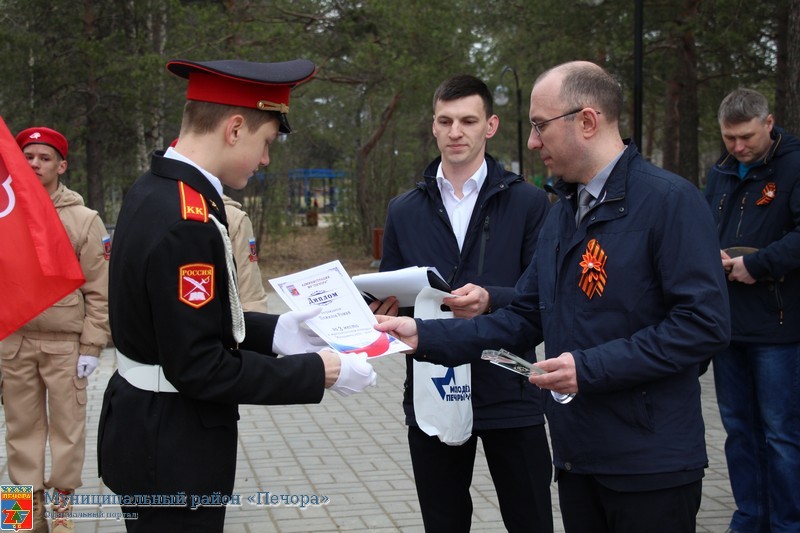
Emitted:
pixel 767 194
pixel 593 270
pixel 193 204
pixel 196 284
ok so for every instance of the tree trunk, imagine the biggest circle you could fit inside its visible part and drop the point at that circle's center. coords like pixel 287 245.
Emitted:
pixel 649 130
pixel 94 127
pixel 138 116
pixel 781 65
pixel 688 108
pixel 790 115
pixel 682 113
pixel 155 134
pixel 363 201
pixel 671 125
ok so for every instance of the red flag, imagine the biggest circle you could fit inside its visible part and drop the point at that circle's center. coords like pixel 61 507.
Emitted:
pixel 38 265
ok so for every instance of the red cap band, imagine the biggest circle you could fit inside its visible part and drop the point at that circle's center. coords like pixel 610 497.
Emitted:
pixel 231 91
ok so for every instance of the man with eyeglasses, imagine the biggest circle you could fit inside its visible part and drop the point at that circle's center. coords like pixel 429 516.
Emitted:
pixel 629 300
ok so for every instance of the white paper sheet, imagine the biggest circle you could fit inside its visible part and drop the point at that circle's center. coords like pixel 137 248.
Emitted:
pixel 405 284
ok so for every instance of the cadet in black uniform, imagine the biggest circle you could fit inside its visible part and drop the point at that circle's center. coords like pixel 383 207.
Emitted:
pixel 187 355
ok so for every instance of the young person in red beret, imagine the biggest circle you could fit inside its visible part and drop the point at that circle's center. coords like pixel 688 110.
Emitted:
pixel 187 353
pixel 47 361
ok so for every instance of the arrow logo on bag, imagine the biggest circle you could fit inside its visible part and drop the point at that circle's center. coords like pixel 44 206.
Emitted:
pixel 442 382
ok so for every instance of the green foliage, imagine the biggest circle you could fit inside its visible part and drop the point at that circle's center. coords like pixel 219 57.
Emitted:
pixel 95 70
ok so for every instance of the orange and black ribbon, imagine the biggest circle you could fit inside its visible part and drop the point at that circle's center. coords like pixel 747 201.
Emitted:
pixel 767 194
pixel 593 275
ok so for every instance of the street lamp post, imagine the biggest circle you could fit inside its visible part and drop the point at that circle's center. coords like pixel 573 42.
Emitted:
pixel 501 98
pixel 638 32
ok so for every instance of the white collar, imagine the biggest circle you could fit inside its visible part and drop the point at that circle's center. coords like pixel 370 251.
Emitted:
pixel 171 153
pixel 478 178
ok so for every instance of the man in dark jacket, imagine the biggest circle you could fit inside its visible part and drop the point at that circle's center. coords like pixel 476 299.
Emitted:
pixel 754 194
pixel 187 354
pixel 629 299
pixel 477 224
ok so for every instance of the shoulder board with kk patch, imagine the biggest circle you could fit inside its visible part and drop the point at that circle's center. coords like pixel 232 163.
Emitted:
pixel 193 204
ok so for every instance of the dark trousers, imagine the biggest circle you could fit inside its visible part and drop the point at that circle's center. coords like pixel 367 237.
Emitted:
pixel 175 519
pixel 520 466
pixel 587 506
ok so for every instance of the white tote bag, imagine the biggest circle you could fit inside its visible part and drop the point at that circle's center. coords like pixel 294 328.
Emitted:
pixel 442 395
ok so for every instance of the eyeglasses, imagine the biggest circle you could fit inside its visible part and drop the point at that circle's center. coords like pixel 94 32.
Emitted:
pixel 537 126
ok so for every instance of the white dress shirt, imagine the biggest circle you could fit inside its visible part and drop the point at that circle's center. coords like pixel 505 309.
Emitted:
pixel 459 210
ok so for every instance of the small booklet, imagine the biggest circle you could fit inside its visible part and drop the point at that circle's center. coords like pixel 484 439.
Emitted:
pixel 405 284
pixel 509 361
pixel 517 364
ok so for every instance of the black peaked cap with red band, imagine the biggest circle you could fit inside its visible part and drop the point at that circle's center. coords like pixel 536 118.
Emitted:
pixel 264 86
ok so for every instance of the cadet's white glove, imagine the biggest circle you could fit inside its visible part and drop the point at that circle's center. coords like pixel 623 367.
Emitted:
pixel 355 375
pixel 292 336
pixel 86 365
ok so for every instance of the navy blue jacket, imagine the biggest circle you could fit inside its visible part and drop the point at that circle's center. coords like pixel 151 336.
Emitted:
pixel 638 344
pixel 762 211
pixel 498 246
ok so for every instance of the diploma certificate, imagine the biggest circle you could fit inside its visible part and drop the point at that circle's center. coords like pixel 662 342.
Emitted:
pixel 345 322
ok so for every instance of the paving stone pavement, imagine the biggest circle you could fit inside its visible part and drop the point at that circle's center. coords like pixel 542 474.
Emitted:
pixel 354 452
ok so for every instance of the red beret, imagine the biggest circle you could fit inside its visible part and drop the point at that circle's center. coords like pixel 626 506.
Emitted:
pixel 42 135
pixel 264 86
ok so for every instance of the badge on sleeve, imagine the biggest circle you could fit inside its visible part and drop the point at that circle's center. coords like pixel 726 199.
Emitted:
pixel 107 247
pixel 253 254
pixel 196 284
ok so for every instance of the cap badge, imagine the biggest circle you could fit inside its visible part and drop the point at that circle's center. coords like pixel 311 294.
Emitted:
pixel 35 135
